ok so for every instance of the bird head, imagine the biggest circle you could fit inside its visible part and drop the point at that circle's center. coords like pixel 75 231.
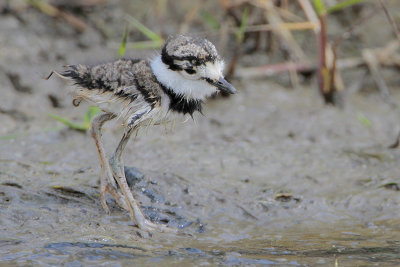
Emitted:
pixel 191 67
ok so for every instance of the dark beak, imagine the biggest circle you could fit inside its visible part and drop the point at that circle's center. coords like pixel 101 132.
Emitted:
pixel 224 86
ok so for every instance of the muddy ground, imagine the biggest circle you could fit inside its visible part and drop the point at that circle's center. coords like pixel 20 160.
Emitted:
pixel 270 176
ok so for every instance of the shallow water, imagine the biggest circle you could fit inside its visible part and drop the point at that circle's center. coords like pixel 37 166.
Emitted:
pixel 79 242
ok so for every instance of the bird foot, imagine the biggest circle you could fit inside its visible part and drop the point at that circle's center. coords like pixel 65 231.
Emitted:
pixel 149 226
pixel 104 202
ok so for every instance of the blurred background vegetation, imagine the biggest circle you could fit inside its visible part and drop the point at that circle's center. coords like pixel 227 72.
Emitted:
pixel 345 46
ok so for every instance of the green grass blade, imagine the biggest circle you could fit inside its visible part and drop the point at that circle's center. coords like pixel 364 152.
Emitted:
pixel 243 25
pixel 90 113
pixel 364 120
pixel 342 5
pixel 143 29
pixel 70 124
pixel 121 51
pixel 13 136
pixel 319 7
pixel 210 20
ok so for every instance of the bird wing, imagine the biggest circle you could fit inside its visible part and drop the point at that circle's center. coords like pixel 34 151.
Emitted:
pixel 127 81
pixel 104 77
pixel 126 78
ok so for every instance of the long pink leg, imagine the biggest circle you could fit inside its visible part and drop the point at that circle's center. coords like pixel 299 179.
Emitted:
pixel 107 182
pixel 117 168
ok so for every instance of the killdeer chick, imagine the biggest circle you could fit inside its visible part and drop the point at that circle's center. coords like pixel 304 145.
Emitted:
pixel 146 92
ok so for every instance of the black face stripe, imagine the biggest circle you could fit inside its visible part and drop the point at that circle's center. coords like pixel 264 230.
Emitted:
pixel 210 81
pixel 169 60
pixel 190 71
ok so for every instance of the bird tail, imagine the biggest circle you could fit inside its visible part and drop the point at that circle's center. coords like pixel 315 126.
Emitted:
pixel 78 73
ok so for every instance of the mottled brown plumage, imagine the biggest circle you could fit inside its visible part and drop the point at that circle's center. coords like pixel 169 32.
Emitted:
pixel 126 78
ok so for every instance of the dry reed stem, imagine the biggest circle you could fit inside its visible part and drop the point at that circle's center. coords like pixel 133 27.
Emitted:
pixel 284 33
pixel 385 56
pixel 390 18
pixel 190 16
pixel 55 12
pixel 310 14
pixel 371 60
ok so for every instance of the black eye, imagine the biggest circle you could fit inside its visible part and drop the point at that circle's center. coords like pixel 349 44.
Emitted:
pixel 190 71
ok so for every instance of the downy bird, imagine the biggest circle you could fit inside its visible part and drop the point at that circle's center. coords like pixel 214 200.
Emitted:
pixel 145 92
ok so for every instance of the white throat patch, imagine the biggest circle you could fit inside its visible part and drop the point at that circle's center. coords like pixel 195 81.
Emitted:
pixel 190 89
